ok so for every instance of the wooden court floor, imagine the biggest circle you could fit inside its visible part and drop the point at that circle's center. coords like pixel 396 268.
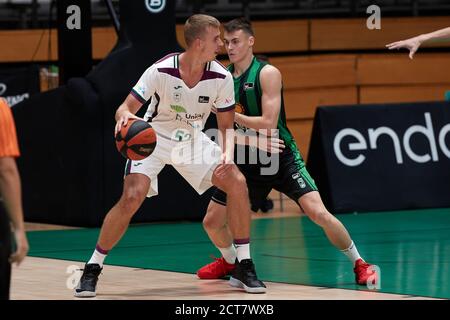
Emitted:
pixel 292 255
pixel 51 279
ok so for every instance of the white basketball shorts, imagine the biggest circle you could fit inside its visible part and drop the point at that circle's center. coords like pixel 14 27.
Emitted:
pixel 194 159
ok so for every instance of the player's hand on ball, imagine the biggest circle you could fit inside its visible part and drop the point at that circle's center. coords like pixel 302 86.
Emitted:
pixel 122 120
pixel 136 140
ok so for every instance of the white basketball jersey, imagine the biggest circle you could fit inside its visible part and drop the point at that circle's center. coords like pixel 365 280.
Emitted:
pixel 175 110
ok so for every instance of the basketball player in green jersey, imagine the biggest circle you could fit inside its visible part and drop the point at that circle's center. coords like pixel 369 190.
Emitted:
pixel 259 105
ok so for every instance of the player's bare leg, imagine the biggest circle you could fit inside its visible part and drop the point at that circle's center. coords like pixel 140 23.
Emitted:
pixel 313 207
pixel 118 218
pixel 114 226
pixel 215 225
pixel 233 183
pixel 238 206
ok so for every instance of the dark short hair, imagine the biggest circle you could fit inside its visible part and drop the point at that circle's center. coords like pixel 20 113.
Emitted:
pixel 239 24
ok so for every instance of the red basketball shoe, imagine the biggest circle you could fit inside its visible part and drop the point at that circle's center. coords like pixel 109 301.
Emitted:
pixel 364 273
pixel 216 270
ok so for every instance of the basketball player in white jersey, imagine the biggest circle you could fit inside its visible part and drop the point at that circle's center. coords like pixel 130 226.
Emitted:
pixel 184 86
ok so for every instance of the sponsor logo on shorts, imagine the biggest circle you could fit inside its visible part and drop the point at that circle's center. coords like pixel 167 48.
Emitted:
pixel 137 164
pixel 300 181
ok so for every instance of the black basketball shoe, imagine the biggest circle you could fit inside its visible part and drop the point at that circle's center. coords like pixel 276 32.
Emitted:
pixel 244 276
pixel 266 205
pixel 88 282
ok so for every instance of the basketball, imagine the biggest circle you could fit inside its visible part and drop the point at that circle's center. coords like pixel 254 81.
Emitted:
pixel 136 140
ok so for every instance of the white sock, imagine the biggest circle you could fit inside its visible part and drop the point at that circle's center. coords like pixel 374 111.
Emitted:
pixel 352 253
pixel 98 258
pixel 229 254
pixel 243 251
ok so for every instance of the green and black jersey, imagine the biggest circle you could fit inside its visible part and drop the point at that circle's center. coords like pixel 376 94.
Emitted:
pixel 248 94
pixel 290 175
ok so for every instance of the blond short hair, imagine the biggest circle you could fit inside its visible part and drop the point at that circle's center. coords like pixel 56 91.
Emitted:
pixel 196 25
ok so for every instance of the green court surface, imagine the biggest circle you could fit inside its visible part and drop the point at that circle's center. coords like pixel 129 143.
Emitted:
pixel 412 248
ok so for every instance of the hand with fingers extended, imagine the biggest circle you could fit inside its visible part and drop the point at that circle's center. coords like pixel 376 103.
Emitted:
pixel 411 44
pixel 268 144
pixel 122 120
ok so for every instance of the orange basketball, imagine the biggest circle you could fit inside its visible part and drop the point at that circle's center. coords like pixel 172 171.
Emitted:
pixel 136 140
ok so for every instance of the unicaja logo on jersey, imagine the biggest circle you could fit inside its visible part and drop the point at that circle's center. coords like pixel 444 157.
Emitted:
pixel 155 6
pixel 194 116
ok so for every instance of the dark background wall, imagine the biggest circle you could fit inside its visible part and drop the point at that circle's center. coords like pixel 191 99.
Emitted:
pixel 71 169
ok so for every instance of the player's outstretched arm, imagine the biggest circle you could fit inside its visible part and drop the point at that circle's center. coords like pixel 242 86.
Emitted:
pixel 414 43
